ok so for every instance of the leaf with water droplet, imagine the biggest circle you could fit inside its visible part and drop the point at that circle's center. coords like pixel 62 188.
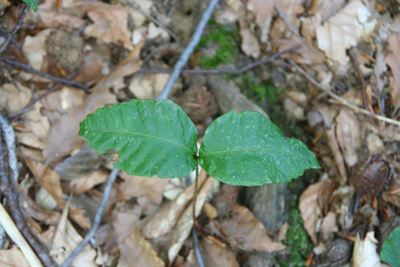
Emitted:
pixel 248 149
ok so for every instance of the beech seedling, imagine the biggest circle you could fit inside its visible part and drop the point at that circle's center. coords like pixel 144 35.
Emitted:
pixel 149 137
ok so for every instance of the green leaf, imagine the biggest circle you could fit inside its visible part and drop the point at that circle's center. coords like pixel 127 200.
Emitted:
pixel 32 4
pixel 248 149
pixel 391 248
pixel 150 137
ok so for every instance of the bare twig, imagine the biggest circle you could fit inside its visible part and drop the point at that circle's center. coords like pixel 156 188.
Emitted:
pixel 17 237
pixel 188 50
pixel 35 99
pixel 219 71
pixel 196 246
pixel 360 76
pixel 96 220
pixel 156 21
pixel 12 198
pixel 341 100
pixel 9 138
pixel 16 28
pixel 46 75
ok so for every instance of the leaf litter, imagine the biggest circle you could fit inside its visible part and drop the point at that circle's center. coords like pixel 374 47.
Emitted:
pixel 148 220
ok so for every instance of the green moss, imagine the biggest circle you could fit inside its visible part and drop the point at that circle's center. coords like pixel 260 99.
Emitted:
pixel 227 38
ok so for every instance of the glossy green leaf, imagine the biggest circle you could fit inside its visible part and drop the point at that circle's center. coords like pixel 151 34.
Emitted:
pixel 248 149
pixel 32 4
pixel 150 137
pixel 391 248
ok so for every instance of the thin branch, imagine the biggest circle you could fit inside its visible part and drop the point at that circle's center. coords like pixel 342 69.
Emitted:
pixel 156 21
pixel 12 199
pixel 341 100
pixel 360 76
pixel 35 99
pixel 96 220
pixel 9 138
pixel 16 28
pixel 46 75
pixel 188 50
pixel 219 71
pixel 196 246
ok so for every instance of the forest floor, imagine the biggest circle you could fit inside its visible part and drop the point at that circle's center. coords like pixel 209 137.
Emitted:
pixel 326 72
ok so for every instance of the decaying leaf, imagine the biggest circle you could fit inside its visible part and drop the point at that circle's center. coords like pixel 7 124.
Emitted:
pixel 306 54
pixel 137 186
pixel 250 44
pixel 289 10
pixel 364 252
pixel 110 22
pixel 34 49
pixel 263 11
pixel 329 225
pixel 12 257
pixel 11 99
pixel 185 222
pixel 217 255
pixel 83 184
pixel 348 134
pixel 393 61
pixel 245 232
pixel 148 86
pixel 311 203
pixel 344 30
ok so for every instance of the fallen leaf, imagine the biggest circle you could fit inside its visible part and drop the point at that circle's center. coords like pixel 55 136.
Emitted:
pixel 66 239
pixel 110 22
pixel 245 232
pixel 289 11
pixel 148 86
pixel 83 184
pixel 311 203
pixel 329 225
pixel 138 186
pixel 12 257
pixel 393 61
pixel 138 17
pixel 217 255
pixel 344 30
pixel 263 11
pixel 348 134
pixel 341 202
pixel 249 44
pixel 44 199
pixel 185 222
pixel 364 252
pixel 230 13
pixel 337 154
pixel 34 49
pixel 136 251
pixel 306 54
pixel 165 219
pixel 157 32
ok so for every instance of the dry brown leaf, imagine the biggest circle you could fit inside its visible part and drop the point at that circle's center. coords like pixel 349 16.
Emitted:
pixel 343 30
pixel 324 9
pixel 329 225
pixel 34 49
pixel 289 11
pixel 348 134
pixel 12 99
pixel 364 252
pixel 247 233
pixel 66 239
pixel 337 154
pixel 43 236
pixel 217 255
pixel 157 32
pixel 249 44
pixel 138 186
pixel 148 86
pixel 165 219
pixel 63 135
pixel 263 11
pixel 185 222
pixel 87 182
pixel 12 257
pixel 306 54
pixel 393 61
pixel 125 222
pixel 136 251
pixel 110 22
pixel 138 17
pixel 311 203
pixel 230 13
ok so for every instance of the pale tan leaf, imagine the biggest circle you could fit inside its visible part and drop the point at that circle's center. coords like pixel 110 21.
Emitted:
pixel 136 251
pixel 66 239
pixel 38 124
pixel 12 99
pixel 343 30
pixel 364 252
pixel 138 17
pixel 329 225
pixel 165 219
pixel 249 44
pixel 217 255
pixel 289 11
pixel 44 199
pixel 138 186
pixel 34 48
pixel 185 222
pixel 124 222
pixel 230 13
pixel 12 258
pixel 306 54
pixel 337 154
pixel 348 133
pixel 263 11
pixel 83 184
pixel 110 22
pixel 393 61
pixel 157 32
pixel 247 233
pixel 311 203
pixel 148 86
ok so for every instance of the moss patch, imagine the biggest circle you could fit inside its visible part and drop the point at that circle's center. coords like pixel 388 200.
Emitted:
pixel 227 38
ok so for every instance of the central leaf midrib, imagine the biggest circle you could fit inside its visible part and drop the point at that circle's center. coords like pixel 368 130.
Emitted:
pixel 250 149
pixel 145 135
